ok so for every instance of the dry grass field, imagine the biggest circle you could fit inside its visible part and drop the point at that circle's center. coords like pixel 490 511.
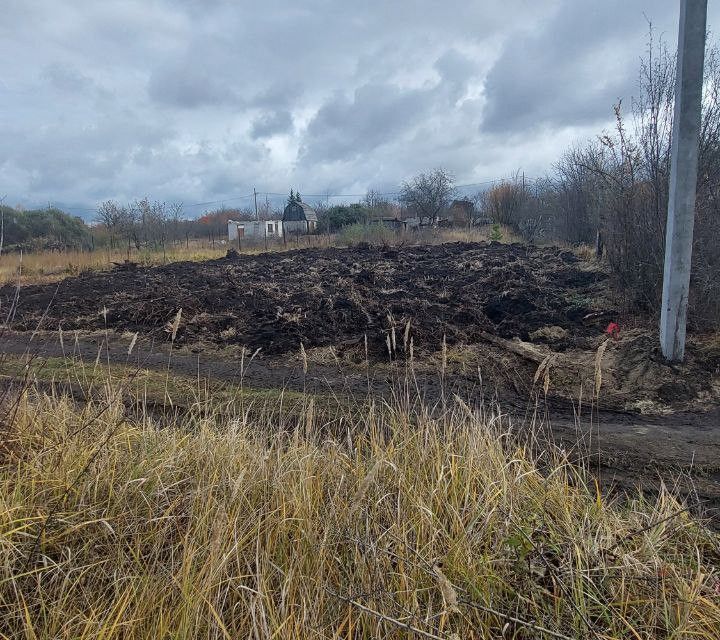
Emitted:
pixel 51 266
pixel 143 496
pixel 373 521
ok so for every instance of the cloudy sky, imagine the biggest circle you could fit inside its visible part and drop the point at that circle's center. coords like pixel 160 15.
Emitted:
pixel 202 100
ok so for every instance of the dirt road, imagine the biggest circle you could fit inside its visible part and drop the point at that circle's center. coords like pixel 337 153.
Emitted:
pixel 680 448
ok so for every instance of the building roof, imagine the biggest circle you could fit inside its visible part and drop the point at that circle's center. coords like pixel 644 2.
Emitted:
pixel 464 203
pixel 299 211
pixel 257 221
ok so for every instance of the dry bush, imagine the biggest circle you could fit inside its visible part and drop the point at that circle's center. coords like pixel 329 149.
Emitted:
pixel 521 207
pixel 504 203
pixel 373 522
pixel 620 183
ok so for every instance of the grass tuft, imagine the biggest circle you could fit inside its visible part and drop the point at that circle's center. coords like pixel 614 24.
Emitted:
pixel 379 522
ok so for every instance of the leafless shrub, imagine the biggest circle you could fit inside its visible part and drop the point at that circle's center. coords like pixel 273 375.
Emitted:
pixel 428 195
pixel 618 185
pixel 504 203
pixel 532 229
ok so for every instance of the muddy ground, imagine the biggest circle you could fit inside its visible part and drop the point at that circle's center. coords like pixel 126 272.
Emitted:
pixel 523 315
pixel 521 326
pixel 323 297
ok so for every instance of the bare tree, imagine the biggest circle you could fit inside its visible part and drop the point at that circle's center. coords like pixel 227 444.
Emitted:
pixel 265 210
pixel 427 195
pixel 175 211
pixel 619 184
pixel 110 215
pixel 130 225
pixel 377 205
pixel 575 190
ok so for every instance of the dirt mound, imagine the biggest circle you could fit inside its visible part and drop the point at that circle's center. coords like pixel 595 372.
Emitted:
pixel 324 297
pixel 509 311
pixel 634 376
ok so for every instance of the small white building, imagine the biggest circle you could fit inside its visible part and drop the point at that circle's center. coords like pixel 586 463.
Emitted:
pixel 254 229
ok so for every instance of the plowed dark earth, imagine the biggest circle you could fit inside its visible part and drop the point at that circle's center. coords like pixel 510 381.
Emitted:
pixel 331 296
pixel 529 322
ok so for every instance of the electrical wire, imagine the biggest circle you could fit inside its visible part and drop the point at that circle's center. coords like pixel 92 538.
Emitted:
pixel 317 195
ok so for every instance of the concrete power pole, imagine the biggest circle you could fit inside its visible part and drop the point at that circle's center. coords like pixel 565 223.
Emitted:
pixel 683 178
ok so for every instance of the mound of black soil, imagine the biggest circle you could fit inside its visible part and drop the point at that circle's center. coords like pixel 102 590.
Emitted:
pixel 324 297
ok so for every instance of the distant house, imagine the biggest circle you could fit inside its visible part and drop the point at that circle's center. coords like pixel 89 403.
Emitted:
pixel 461 213
pixel 299 218
pixel 254 229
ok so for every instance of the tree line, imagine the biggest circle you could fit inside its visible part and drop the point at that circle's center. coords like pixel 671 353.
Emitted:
pixel 42 229
pixel 614 190
pixel 611 191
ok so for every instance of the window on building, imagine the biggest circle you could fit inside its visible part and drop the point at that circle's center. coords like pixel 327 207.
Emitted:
pixel 271 227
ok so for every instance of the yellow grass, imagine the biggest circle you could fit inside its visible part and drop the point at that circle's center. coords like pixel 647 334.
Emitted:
pixel 378 522
pixel 51 266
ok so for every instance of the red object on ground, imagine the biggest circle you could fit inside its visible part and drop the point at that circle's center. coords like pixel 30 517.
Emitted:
pixel 613 330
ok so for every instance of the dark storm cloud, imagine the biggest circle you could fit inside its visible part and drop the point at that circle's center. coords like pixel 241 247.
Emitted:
pixel 380 114
pixel 66 78
pixel 568 71
pixel 188 87
pixel 58 155
pixel 347 127
pixel 456 69
pixel 277 95
pixel 270 124
pixel 196 101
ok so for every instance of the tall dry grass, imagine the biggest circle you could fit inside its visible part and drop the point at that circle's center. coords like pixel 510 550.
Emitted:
pixel 51 266
pixel 373 522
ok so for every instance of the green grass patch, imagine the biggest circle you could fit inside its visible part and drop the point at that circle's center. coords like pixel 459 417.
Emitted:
pixel 140 385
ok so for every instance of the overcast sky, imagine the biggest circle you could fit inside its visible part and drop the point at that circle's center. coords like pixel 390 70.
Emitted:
pixel 202 100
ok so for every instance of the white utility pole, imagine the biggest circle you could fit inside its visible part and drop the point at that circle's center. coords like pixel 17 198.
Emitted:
pixel 683 177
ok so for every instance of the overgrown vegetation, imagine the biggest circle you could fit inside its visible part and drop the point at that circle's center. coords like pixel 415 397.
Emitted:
pixel 334 218
pixel 618 184
pixel 42 230
pixel 374 521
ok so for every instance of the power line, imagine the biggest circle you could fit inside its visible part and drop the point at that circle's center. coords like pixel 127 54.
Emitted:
pixel 202 204
pixel 318 195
